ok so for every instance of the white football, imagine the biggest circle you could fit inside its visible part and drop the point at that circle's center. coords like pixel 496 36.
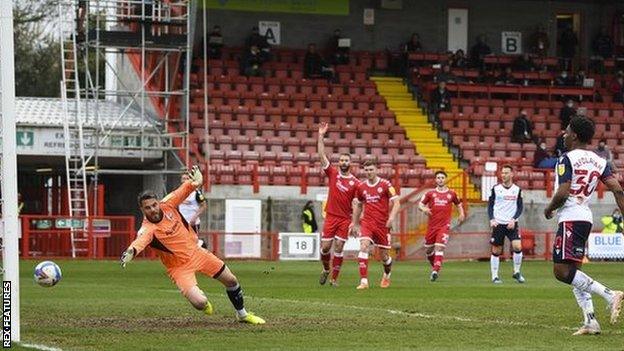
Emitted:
pixel 47 274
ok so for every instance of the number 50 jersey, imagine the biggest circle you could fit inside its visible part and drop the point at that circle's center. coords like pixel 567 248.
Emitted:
pixel 583 169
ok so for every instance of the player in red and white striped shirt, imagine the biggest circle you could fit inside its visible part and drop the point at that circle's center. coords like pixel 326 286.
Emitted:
pixel 342 186
pixel 381 205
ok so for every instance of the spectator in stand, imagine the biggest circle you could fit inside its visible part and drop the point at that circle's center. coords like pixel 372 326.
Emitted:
pixel 339 55
pixel 603 49
pixel 522 131
pixel 542 158
pixel 524 63
pixel 580 78
pixel 445 75
pixel 478 52
pixel 566 113
pixel 440 99
pixel 413 45
pixel 215 43
pixel 539 42
pixel 563 80
pixel 251 63
pixel 617 88
pixel 613 223
pixel 259 41
pixel 314 66
pixel 506 78
pixel 603 151
pixel 459 59
pixel 567 43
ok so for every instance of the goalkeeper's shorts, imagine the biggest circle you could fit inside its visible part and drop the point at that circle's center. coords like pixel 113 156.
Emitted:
pixel 202 261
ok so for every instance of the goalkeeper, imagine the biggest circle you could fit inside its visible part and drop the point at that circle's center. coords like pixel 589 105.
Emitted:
pixel 165 230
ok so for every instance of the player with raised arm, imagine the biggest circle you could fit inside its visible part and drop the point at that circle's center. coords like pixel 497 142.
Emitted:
pixel 504 209
pixel 374 196
pixel 578 172
pixel 342 186
pixel 166 231
pixel 438 205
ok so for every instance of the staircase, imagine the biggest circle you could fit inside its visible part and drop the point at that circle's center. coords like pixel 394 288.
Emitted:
pixel 420 132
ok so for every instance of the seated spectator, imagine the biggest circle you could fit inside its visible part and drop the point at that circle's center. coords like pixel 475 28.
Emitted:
pixel 459 59
pixel 603 49
pixel 603 151
pixel 539 42
pixel 524 63
pixel 445 75
pixel 580 78
pixel 251 63
pixel 215 43
pixel 339 54
pixel 617 89
pixel 566 113
pixel 542 158
pixel 563 80
pixel 259 41
pixel 522 131
pixel 314 66
pixel 413 45
pixel 478 52
pixel 506 78
pixel 440 99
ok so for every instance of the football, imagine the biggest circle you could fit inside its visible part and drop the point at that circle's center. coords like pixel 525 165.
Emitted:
pixel 47 274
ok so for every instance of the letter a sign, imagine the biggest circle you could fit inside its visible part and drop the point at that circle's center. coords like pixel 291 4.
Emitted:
pixel 271 30
pixel 511 42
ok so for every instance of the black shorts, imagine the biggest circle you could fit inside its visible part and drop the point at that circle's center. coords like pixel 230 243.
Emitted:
pixel 501 231
pixel 569 245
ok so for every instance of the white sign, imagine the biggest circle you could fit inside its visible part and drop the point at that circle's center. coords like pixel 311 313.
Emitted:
pixel 271 30
pixel 299 246
pixel 369 17
pixel 511 42
pixel 243 216
pixel 601 246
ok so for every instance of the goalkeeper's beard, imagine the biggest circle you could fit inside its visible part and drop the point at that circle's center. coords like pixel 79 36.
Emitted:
pixel 155 218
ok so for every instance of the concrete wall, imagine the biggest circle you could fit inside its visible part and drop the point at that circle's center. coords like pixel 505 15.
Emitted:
pixel 428 18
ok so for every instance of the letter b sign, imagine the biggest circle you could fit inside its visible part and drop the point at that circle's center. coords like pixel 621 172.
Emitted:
pixel 511 43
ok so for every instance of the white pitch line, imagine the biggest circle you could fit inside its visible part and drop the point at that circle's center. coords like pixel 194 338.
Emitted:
pixel 39 347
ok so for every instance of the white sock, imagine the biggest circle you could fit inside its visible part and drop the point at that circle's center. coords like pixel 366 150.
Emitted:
pixel 494 262
pixel 364 281
pixel 517 261
pixel 585 283
pixel 241 313
pixel 387 275
pixel 584 301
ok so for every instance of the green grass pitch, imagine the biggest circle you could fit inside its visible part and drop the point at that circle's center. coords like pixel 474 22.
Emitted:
pixel 99 306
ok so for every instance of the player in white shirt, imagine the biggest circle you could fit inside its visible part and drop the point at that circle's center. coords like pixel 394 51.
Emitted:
pixel 504 208
pixel 192 207
pixel 578 172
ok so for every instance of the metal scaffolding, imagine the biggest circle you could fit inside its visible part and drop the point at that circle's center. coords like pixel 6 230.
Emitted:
pixel 151 40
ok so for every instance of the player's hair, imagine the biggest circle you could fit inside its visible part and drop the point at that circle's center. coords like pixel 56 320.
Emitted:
pixel 146 195
pixel 440 172
pixel 370 162
pixel 508 166
pixel 345 154
pixel 583 127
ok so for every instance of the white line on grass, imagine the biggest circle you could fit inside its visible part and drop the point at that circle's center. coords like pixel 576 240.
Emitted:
pixel 410 314
pixel 40 347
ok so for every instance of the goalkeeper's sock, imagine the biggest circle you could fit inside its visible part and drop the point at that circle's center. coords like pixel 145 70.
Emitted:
pixel 336 265
pixel 325 256
pixel 235 294
pixel 363 263
pixel 437 261
pixel 430 258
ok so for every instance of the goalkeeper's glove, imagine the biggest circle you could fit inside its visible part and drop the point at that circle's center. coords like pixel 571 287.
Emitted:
pixel 127 256
pixel 196 176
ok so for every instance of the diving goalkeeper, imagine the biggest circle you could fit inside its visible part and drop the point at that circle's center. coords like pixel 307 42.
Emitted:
pixel 166 231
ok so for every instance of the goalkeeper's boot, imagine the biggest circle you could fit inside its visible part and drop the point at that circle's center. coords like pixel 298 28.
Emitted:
pixel 592 328
pixel 208 310
pixel 323 277
pixel 251 318
pixel 519 278
pixel 616 306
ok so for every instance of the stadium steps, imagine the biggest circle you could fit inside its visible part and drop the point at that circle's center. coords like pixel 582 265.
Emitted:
pixel 419 131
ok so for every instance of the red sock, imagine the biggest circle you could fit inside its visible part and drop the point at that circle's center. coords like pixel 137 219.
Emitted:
pixel 325 259
pixel 437 261
pixel 336 265
pixel 363 262
pixel 430 259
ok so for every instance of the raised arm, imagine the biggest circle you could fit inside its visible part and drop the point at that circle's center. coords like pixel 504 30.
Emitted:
pixel 176 197
pixel 321 144
pixel 139 244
